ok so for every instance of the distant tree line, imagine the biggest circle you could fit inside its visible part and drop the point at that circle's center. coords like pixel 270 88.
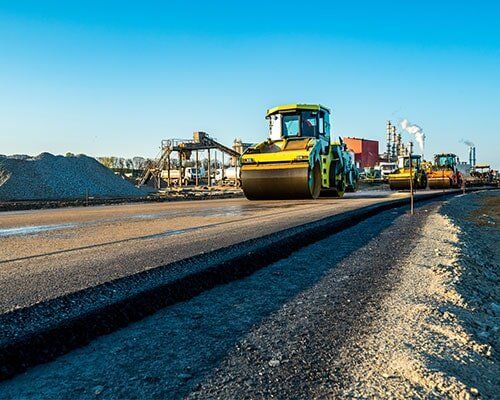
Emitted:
pixel 141 163
pixel 121 163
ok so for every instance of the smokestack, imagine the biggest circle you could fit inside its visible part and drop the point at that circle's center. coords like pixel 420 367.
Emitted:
pixel 470 156
pixel 474 156
pixel 389 131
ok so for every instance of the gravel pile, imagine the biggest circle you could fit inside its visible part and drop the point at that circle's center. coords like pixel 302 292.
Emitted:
pixel 50 177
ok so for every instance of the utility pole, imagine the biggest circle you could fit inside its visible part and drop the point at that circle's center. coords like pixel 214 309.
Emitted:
pixel 216 166
pixel 389 132
pixel 442 177
pixel 196 167
pixel 222 176
pixel 181 173
pixel 168 170
pixel 411 178
pixel 209 170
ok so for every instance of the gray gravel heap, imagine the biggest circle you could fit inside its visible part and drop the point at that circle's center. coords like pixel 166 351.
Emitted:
pixel 50 177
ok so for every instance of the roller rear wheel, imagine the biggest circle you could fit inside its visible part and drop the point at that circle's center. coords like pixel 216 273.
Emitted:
pixel 314 181
pixel 352 185
pixel 337 183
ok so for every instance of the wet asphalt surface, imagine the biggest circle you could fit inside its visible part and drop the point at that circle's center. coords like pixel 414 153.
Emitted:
pixel 45 254
pixel 277 333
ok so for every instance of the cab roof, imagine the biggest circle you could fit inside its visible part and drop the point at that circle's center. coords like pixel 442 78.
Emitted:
pixel 296 107
pixel 412 156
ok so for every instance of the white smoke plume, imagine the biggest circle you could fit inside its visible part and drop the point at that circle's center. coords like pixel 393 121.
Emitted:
pixel 467 142
pixel 416 131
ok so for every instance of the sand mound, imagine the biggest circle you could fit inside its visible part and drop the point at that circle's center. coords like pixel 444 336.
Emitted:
pixel 49 177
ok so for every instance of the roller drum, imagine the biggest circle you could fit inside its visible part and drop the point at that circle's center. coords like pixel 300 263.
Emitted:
pixel 399 184
pixel 271 182
pixel 439 183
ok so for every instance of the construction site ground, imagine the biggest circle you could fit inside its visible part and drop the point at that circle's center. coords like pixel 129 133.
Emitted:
pixel 397 306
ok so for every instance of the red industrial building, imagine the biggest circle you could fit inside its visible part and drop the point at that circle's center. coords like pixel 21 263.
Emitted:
pixel 365 151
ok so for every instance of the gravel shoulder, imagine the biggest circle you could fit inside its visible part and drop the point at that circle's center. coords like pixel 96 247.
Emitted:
pixel 436 334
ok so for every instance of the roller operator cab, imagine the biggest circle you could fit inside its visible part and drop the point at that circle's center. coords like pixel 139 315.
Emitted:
pixel 400 179
pixel 299 159
pixel 444 173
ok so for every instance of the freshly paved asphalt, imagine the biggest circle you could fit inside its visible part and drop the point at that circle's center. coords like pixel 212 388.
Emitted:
pixel 48 253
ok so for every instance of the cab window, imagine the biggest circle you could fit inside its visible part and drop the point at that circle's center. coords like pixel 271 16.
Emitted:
pixel 445 161
pixel 309 124
pixel 327 124
pixel 305 124
pixel 291 125
pixel 415 162
pixel 324 124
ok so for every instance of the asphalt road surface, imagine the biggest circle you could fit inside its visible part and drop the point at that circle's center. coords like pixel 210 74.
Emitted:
pixel 47 253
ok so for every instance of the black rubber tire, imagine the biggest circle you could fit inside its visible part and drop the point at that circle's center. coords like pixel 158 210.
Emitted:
pixel 354 185
pixel 314 181
pixel 341 187
pixel 424 182
pixel 337 189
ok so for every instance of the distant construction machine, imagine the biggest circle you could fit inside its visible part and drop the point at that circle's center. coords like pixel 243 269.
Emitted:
pixel 444 173
pixel 299 159
pixel 408 175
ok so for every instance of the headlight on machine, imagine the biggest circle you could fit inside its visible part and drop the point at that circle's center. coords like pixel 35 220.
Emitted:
pixel 302 158
pixel 247 160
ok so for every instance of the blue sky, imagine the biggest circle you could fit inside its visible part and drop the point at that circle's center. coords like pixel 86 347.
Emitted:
pixel 114 78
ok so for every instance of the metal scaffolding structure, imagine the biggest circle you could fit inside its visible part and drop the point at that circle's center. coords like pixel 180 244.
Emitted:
pixel 185 148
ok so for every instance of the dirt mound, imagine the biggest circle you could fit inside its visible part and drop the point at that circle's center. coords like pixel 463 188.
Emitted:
pixel 50 177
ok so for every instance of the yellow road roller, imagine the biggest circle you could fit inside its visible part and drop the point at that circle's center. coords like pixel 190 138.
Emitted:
pixel 299 160
pixel 400 179
pixel 444 173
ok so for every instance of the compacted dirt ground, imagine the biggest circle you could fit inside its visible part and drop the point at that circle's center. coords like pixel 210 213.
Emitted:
pixel 398 306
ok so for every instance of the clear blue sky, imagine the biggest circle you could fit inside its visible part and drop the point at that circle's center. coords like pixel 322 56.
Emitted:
pixel 115 77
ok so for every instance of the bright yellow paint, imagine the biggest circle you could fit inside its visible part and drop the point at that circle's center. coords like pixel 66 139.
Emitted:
pixel 403 175
pixel 296 107
pixel 279 156
pixel 270 166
